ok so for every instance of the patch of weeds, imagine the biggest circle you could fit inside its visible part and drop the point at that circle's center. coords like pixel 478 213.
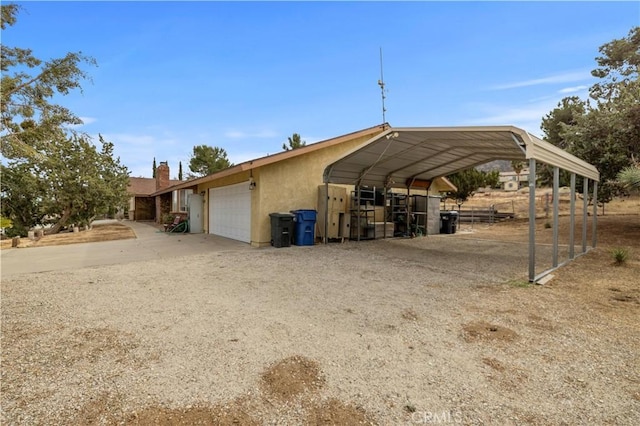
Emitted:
pixel 520 283
pixel 409 315
pixel 410 408
pixel 620 255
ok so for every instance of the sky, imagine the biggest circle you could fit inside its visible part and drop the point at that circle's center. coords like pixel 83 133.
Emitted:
pixel 245 76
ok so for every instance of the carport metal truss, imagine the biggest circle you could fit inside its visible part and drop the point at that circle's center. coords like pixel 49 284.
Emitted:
pixel 401 155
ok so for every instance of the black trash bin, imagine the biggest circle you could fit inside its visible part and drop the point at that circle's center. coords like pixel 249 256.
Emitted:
pixel 448 222
pixel 454 221
pixel 281 229
pixel 445 222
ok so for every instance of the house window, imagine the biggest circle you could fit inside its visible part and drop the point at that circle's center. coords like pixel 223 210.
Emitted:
pixel 179 200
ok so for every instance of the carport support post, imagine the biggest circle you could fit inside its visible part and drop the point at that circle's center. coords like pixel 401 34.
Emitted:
pixel 556 196
pixel 384 210
pixel 358 200
pixel 532 219
pixel 572 215
pixel 594 234
pixel 585 208
pixel 326 212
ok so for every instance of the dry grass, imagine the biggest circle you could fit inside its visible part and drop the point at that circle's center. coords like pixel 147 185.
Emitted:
pixel 518 203
pixel 101 232
pixel 594 280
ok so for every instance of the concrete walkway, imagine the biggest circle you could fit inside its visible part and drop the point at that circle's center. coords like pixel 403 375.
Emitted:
pixel 150 243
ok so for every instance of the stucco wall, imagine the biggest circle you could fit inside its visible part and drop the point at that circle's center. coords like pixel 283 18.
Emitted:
pixel 286 185
pixel 292 184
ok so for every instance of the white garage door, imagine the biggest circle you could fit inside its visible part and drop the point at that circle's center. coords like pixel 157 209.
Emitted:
pixel 230 211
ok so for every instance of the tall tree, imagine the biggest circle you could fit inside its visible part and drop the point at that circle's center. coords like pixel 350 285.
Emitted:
pixel 180 170
pixel 618 66
pixel 28 86
pixel 72 182
pixel 467 181
pixel 20 195
pixel 607 133
pixel 295 141
pixel 206 160
pixel 154 167
pixel 50 169
pixel 517 167
pixel 567 113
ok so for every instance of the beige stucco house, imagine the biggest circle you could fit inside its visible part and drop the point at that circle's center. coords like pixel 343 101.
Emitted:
pixel 236 202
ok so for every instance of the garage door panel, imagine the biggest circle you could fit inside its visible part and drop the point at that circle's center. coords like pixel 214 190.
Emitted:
pixel 230 211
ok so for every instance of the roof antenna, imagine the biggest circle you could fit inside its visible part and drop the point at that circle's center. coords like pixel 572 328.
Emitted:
pixel 381 84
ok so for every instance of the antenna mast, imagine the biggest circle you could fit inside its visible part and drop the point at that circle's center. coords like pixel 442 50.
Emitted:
pixel 381 84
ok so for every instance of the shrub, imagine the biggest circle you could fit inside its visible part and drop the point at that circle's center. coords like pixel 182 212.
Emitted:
pixel 167 218
pixel 16 231
pixel 620 255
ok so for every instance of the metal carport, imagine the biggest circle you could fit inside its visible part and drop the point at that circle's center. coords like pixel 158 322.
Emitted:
pixel 399 157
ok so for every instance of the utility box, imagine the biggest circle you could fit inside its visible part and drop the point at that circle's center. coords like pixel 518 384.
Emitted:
pixel 281 229
pixel 304 227
pixel 332 201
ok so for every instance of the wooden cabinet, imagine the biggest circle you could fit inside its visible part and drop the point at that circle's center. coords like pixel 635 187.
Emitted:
pixel 333 198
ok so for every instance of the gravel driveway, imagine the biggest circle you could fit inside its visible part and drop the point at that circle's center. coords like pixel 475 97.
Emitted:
pixel 382 332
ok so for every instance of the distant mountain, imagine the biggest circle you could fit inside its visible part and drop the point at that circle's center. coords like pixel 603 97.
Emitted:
pixel 500 165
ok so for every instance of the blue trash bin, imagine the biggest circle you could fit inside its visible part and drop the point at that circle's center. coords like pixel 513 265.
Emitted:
pixel 304 227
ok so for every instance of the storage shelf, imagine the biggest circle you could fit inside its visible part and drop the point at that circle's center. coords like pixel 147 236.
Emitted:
pixel 362 214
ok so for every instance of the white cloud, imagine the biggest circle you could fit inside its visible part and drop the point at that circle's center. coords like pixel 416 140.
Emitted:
pixel 85 121
pixel 573 89
pixel 527 117
pixel 88 120
pixel 241 157
pixel 567 77
pixel 262 134
pixel 137 151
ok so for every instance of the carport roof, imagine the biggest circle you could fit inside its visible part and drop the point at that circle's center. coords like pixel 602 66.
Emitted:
pixel 399 155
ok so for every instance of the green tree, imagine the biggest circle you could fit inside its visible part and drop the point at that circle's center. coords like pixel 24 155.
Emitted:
pixel 467 181
pixel 554 124
pixel 206 160
pixel 567 113
pixel 50 169
pixel 618 66
pixel 27 88
pixel 180 170
pixel 72 182
pixel 294 142
pixel 517 167
pixel 607 132
pixel 154 167
pixel 492 179
pixel 20 193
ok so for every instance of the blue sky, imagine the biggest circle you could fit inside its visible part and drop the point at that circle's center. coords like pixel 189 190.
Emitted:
pixel 246 75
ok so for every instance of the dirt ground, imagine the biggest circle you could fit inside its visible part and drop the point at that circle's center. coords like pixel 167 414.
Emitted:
pixel 443 329
pixel 99 232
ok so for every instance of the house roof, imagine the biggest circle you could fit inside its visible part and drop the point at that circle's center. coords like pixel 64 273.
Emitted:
pixel 141 186
pixel 274 158
pixel 145 187
pixel 400 155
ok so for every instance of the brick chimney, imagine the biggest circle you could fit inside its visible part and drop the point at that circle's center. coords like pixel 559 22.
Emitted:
pixel 162 175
